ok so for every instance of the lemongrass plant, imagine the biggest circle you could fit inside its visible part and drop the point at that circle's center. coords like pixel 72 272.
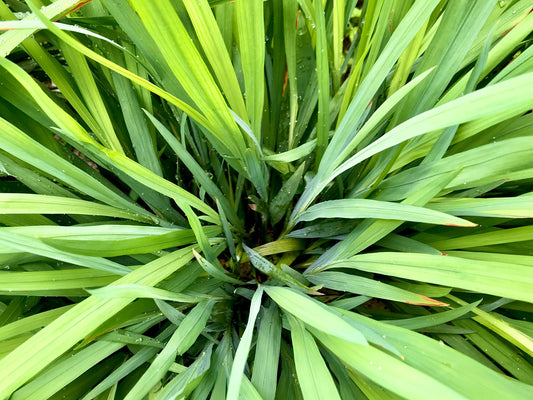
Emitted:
pixel 281 199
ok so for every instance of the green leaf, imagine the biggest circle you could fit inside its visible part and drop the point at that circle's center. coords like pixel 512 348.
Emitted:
pixel 66 370
pixel 403 35
pixel 427 356
pixel 497 236
pixel 167 29
pixel 280 202
pixel 133 290
pixel 315 314
pixel 501 327
pixel 479 166
pixel 370 231
pixel 189 329
pixel 433 319
pixel 213 45
pixel 290 14
pixel 18 144
pixel 198 172
pixel 387 371
pixel 251 34
pixel 114 240
pixel 184 383
pixel 12 39
pixel 502 207
pixel 46 283
pixel 128 337
pixel 31 323
pixel 322 71
pixel 365 208
pixel 265 371
pixel 35 246
pixel 49 343
pixel 403 243
pixel 313 374
pixel 241 355
pixel 508 95
pixel 148 178
pixel 23 203
pixel 500 279
pixel 430 106
pixel 139 358
pixel 481 103
pixel 215 269
pixel 370 287
pixel 292 155
pixel 265 266
pixel 84 78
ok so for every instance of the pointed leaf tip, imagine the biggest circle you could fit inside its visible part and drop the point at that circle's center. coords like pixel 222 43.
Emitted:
pixel 428 302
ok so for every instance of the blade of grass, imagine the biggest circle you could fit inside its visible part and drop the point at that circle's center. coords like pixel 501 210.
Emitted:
pixel 47 283
pixel 365 208
pixel 184 337
pixel 213 45
pixel 35 246
pixel 426 354
pixel 370 287
pixel 314 377
pixel 12 39
pixel 241 355
pixel 25 203
pixel 500 279
pixel 251 33
pixel 198 172
pixel 131 290
pixel 322 71
pixel 501 327
pixel 387 371
pixel 186 63
pixel 84 78
pixel 265 266
pixel 433 319
pixel 42 348
pixel 184 383
pixel 267 353
pixel 314 314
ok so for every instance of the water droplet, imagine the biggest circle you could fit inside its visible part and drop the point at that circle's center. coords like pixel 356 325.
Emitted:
pixel 501 4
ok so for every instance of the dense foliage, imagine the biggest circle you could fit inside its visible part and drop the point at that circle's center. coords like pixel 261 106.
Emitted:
pixel 281 199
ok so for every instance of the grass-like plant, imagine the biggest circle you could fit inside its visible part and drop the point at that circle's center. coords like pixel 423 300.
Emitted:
pixel 266 199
